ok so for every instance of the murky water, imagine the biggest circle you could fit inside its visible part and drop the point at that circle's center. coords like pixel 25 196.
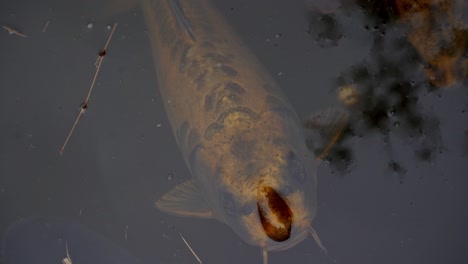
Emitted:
pixel 391 191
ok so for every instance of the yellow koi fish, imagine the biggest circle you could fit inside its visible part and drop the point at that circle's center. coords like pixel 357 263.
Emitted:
pixel 241 139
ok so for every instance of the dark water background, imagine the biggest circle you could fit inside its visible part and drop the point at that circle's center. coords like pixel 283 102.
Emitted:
pixel 392 191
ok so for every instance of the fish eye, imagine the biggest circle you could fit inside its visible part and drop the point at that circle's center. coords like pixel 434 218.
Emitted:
pixel 246 209
pixel 228 202
pixel 296 168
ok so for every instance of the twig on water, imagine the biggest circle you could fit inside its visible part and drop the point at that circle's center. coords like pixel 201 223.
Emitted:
pixel 45 26
pixel 85 104
pixel 190 248
pixel 14 31
pixel 67 260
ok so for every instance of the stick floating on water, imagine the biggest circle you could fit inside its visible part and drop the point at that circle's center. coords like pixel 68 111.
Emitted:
pixel 45 26
pixel 67 260
pixel 190 248
pixel 14 31
pixel 84 106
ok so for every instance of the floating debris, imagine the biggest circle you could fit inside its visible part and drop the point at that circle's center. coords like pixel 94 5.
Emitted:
pixel 13 31
pixel 45 26
pixel 67 260
pixel 84 106
pixel 348 94
pixel 190 248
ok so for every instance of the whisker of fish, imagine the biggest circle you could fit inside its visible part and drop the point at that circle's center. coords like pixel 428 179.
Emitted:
pixel 265 256
pixel 190 248
pixel 85 104
pixel 317 239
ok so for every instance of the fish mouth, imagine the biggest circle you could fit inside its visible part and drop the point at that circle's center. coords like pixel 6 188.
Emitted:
pixel 275 215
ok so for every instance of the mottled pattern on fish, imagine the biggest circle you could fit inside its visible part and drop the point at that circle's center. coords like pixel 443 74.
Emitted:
pixel 234 126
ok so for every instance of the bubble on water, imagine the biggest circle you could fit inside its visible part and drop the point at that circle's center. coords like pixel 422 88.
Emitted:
pixel 170 176
pixel 90 25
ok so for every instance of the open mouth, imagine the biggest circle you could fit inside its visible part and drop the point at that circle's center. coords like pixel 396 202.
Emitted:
pixel 275 215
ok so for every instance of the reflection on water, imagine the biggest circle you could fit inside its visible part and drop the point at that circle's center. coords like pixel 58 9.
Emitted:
pixel 418 47
pixel 438 32
pixel 436 29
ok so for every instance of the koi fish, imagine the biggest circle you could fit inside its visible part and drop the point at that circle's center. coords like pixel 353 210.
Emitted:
pixel 238 134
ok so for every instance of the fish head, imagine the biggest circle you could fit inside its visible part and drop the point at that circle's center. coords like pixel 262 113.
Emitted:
pixel 274 204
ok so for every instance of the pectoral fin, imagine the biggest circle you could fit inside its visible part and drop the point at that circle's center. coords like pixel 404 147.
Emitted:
pixel 185 200
pixel 327 127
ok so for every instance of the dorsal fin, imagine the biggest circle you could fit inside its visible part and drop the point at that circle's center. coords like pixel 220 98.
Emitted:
pixel 184 23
